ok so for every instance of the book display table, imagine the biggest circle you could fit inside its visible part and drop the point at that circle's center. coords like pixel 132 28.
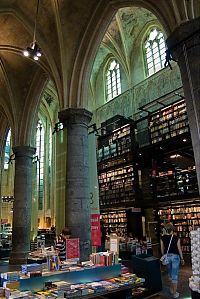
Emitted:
pixel 77 282
pixel 79 276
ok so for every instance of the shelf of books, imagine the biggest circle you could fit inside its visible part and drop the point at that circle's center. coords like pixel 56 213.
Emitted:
pixel 116 186
pixel 115 221
pixel 176 182
pixel 185 219
pixel 168 122
pixel 115 143
pixel 116 167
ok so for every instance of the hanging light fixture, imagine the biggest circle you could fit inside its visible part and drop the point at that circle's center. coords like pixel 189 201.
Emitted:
pixel 34 50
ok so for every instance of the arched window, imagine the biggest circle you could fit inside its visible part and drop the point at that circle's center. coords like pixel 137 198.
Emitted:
pixel 49 178
pixel 40 164
pixel 154 51
pixel 113 80
pixel 7 151
pixel 50 146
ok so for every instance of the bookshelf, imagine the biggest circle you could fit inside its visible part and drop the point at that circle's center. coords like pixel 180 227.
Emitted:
pixel 116 165
pixel 176 182
pixel 115 143
pixel 117 173
pixel 115 221
pixel 168 122
pixel 185 219
pixel 116 186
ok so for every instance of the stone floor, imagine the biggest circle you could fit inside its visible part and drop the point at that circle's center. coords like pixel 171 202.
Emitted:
pixel 183 284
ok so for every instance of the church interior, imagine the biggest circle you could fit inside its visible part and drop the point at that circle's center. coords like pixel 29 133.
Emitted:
pixel 99 113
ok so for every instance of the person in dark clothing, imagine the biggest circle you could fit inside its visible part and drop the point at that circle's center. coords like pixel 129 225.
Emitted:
pixel 103 236
pixel 175 255
pixel 53 229
pixel 61 244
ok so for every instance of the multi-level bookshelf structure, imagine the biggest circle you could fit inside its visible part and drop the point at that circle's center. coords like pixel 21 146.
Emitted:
pixel 168 122
pixel 117 171
pixel 173 174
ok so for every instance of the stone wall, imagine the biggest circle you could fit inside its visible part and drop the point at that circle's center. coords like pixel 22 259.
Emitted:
pixel 128 103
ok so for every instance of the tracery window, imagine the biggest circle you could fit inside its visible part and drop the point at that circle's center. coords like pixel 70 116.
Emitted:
pixel 154 48
pixel 49 168
pixel 40 164
pixel 7 150
pixel 113 80
pixel 50 146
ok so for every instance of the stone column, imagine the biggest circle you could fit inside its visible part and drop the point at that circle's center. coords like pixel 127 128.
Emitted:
pixel 75 122
pixel 21 228
pixel 184 46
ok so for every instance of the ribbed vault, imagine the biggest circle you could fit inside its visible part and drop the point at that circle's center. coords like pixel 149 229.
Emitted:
pixel 69 33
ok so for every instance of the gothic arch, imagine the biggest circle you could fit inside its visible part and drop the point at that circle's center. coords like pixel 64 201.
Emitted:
pixel 93 36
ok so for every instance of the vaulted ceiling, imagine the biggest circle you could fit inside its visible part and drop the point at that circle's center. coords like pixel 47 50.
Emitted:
pixel 122 35
pixel 69 33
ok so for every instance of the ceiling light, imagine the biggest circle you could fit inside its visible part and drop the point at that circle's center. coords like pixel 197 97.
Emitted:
pixel 34 50
pixel 26 53
pixel 174 156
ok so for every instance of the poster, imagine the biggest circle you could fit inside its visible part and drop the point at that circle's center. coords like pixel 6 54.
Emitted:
pixel 72 249
pixel 94 193
pixel 114 244
pixel 95 230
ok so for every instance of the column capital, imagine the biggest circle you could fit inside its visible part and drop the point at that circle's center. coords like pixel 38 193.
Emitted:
pixel 75 116
pixel 186 34
pixel 24 150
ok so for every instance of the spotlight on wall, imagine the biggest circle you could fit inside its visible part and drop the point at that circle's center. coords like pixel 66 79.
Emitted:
pixel 34 50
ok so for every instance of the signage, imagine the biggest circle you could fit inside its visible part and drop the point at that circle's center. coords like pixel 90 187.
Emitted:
pixel 94 193
pixel 114 244
pixel 4 221
pixel 95 230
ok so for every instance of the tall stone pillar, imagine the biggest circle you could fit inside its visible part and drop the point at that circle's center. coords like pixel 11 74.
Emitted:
pixel 75 122
pixel 184 46
pixel 21 228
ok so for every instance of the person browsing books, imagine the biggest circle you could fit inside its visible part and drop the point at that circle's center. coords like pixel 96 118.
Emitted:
pixel 175 256
pixel 61 243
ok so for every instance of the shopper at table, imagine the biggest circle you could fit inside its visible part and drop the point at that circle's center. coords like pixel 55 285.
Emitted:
pixel 61 243
pixel 175 255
